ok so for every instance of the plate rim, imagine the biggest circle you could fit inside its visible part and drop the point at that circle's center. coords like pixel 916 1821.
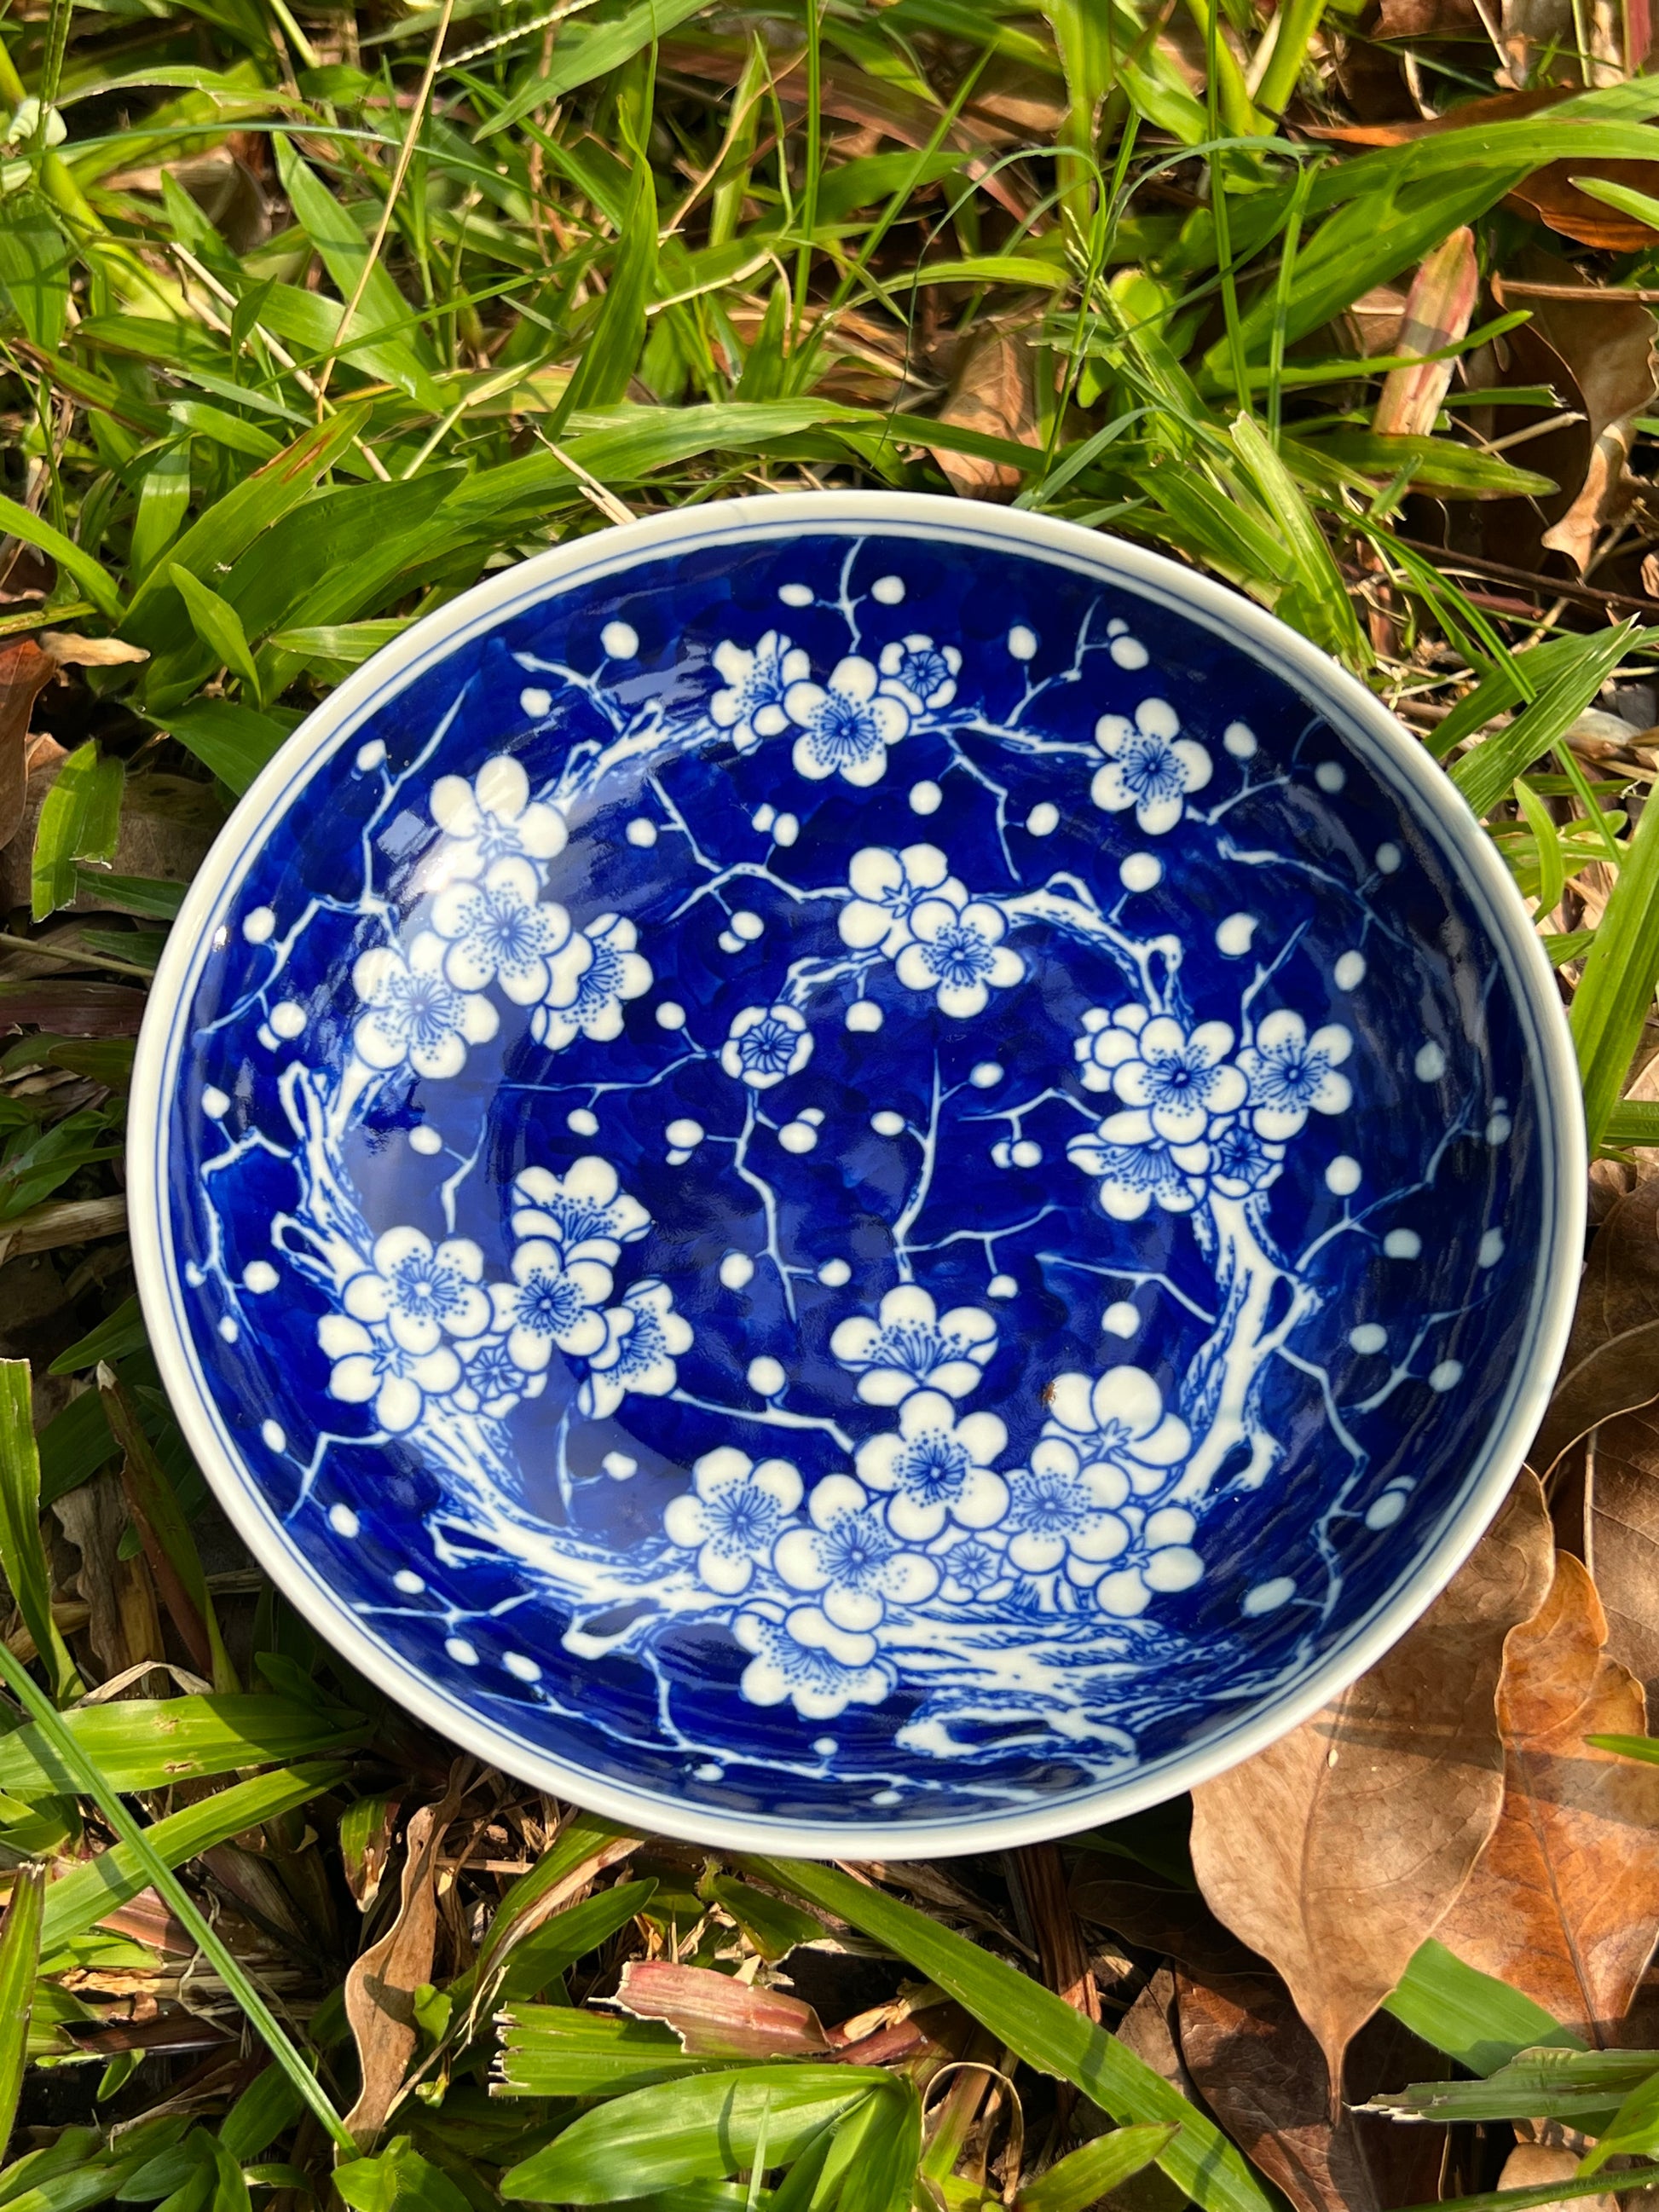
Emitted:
pixel 1423 788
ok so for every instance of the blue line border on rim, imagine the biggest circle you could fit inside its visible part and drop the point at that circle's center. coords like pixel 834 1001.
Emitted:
pixel 1427 795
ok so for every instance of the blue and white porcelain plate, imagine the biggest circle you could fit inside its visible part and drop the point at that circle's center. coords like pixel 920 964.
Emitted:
pixel 853 1173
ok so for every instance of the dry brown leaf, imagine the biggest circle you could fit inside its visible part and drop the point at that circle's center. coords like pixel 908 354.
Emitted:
pixel 70 650
pixel 72 1007
pixel 1620 1287
pixel 25 671
pixel 1565 1902
pixel 380 1989
pixel 1437 311
pixel 1606 345
pixel 1259 2071
pixel 1428 19
pixel 991 392
pixel 1334 1852
pixel 1615 1378
pixel 123 1626
pixel 1530 2165
pixel 1621 1540
pixel 717 2016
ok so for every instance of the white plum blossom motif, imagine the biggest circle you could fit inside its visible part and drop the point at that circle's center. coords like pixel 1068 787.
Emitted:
pixel 1180 1078
pixel 1240 1160
pixel 420 1294
pixel 887 887
pixel 491 818
pixel 497 932
pixel 550 1304
pixel 750 706
pixel 371 1368
pixel 732 1516
pixel 584 1211
pixel 1290 1072
pixel 849 1559
pixel 923 674
pixel 958 953
pixel 937 1468
pixel 1149 766
pixel 766 1044
pixel 847 727
pixel 1064 1513
pixel 643 1338
pixel 1134 1165
pixel 973 1566
pixel 1116 1423
pixel 491 1383
pixel 588 983
pixel 412 1014
pixel 1108 1040
pixel 910 1347
pixel 806 1659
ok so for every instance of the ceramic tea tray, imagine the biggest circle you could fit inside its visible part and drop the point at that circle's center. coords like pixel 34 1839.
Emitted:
pixel 855 1173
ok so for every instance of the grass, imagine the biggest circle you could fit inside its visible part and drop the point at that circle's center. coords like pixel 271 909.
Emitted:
pixel 309 319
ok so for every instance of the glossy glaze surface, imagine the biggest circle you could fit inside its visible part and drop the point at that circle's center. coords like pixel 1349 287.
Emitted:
pixel 854 1174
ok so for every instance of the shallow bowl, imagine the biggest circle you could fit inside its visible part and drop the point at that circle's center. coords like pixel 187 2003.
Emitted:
pixel 855 1174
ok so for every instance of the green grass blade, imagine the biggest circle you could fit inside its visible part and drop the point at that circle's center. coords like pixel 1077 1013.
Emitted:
pixel 77 1764
pixel 20 1953
pixel 22 1553
pixel 1083 2176
pixel 1621 971
pixel 1486 775
pixel 81 820
pixel 1480 2022
pixel 1039 2027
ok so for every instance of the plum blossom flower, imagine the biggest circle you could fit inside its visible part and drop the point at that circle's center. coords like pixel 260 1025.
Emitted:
pixel 1108 1040
pixel 732 1516
pixel 1180 1078
pixel 849 1559
pixel 846 728
pixel 1240 1160
pixel 643 1338
pixel 549 1303
pixel 957 952
pixel 804 1658
pixel 371 1368
pixel 766 1044
pixel 974 1566
pixel 412 1014
pixel 1149 766
pixel 937 1468
pixel 1134 1165
pixel 490 1382
pixel 588 982
pixel 887 887
pixel 496 931
pixel 909 1347
pixel 584 1211
pixel 750 705
pixel 491 818
pixel 1290 1072
pixel 421 1295
pixel 1064 1513
pixel 921 673
pixel 1115 1424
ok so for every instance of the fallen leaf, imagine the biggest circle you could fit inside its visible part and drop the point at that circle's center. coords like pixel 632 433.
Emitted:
pixel 1338 1849
pixel 1530 2165
pixel 1621 1539
pixel 380 1989
pixel 1553 196
pixel 122 1627
pixel 1259 2071
pixel 1563 1904
pixel 25 672
pixel 1427 19
pixel 991 392
pixel 1620 1287
pixel 1615 1378
pixel 1607 344
pixel 1437 311
pixel 72 1007
pixel 70 650
pixel 717 2016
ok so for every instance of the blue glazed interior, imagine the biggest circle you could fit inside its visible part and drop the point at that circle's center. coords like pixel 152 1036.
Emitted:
pixel 1351 1458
